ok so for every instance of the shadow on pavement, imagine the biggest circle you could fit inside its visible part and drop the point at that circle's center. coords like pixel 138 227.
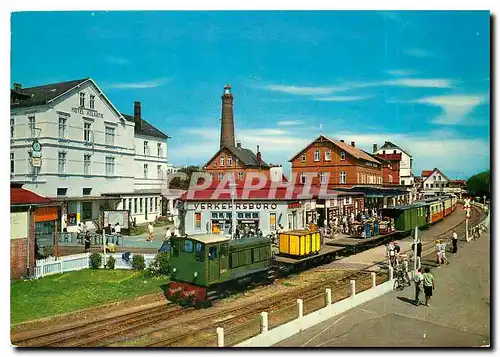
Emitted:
pixel 405 299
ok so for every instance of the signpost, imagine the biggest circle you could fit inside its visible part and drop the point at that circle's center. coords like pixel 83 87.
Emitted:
pixel 467 215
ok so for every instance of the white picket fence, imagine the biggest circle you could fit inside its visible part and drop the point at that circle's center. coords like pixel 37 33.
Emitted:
pixel 81 261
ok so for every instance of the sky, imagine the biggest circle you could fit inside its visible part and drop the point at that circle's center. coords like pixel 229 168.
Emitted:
pixel 418 79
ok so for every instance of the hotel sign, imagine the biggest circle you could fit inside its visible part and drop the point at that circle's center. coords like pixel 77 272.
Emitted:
pixel 87 112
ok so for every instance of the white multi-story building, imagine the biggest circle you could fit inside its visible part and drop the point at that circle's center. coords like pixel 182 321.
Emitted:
pixel 88 159
pixel 406 177
pixel 435 183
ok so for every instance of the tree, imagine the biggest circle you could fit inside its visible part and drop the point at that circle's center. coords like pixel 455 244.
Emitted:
pixel 479 185
pixel 179 184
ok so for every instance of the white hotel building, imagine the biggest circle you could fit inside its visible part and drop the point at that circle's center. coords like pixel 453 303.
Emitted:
pixel 93 157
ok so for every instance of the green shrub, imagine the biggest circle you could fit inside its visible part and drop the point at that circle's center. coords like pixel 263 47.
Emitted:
pixel 138 262
pixel 160 265
pixel 111 262
pixel 95 260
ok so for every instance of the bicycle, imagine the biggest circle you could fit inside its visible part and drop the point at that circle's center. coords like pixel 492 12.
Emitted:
pixel 401 279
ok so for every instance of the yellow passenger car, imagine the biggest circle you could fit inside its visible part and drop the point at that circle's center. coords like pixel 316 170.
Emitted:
pixel 300 243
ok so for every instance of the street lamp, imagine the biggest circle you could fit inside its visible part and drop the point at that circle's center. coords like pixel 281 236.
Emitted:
pixel 232 185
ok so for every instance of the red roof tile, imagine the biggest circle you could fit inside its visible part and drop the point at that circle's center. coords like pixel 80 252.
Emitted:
pixel 20 196
pixel 427 173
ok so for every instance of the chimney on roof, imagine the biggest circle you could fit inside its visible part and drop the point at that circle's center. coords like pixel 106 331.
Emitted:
pixel 238 144
pixel 18 86
pixel 137 115
pixel 227 120
pixel 259 157
pixel 353 144
pixel 341 140
pixel 375 148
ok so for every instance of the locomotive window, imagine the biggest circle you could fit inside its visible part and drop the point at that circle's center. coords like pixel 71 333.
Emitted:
pixel 188 246
pixel 255 255
pixel 175 247
pixel 233 262
pixel 244 257
pixel 212 253
pixel 199 251
pixel 223 250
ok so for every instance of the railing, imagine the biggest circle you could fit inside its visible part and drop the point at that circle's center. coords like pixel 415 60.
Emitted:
pixel 73 238
pixel 81 261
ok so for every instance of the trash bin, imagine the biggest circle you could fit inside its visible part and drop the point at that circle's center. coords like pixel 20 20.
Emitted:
pixel 367 230
pixel 375 228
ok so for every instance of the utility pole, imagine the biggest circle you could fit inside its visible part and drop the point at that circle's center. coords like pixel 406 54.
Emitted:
pixel 467 215
pixel 103 239
pixel 415 242
pixel 233 210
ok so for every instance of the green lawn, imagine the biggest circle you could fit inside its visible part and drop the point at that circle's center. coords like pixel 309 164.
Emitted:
pixel 63 293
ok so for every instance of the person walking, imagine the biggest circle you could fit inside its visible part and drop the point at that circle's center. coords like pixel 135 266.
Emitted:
pixel 151 231
pixel 438 252
pixel 443 254
pixel 419 285
pixel 454 239
pixel 87 243
pixel 429 285
pixel 167 233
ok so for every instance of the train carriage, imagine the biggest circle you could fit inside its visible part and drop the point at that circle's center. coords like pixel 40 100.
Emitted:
pixel 436 211
pixel 447 206
pixel 407 217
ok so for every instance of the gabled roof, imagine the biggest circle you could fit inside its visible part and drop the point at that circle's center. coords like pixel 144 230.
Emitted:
pixel 389 145
pixel 389 157
pixel 146 128
pixel 246 156
pixel 351 150
pixel 426 173
pixel 431 172
pixel 40 95
pixel 20 196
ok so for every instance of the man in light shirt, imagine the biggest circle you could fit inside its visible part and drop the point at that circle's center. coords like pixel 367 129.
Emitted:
pixel 454 238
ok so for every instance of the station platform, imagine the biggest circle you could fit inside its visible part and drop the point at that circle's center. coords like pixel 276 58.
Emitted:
pixel 459 314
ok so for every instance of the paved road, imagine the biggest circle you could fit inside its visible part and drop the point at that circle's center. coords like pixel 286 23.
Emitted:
pixel 459 314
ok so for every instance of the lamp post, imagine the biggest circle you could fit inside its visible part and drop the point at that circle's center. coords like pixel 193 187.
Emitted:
pixel 467 215
pixel 415 242
pixel 232 185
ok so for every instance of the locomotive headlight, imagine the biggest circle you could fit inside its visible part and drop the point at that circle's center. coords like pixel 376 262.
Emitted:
pixel 195 274
pixel 174 270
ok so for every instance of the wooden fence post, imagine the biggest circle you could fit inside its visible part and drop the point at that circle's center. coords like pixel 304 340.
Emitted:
pixel 374 279
pixel 352 288
pixel 263 322
pixel 300 304
pixel 220 337
pixel 391 273
pixel 328 297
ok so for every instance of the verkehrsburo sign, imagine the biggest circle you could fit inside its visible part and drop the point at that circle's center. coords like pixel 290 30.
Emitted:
pixel 239 206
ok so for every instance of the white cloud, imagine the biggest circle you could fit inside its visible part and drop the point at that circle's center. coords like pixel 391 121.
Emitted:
pixel 401 72
pixel 290 122
pixel 300 90
pixel 140 85
pixel 454 107
pixel 418 52
pixel 420 83
pixel 341 98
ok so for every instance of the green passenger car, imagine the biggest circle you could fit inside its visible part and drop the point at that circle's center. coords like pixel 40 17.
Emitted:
pixel 204 265
pixel 407 217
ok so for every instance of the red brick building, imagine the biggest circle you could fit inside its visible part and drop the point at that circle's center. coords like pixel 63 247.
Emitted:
pixel 31 216
pixel 337 163
pixel 390 169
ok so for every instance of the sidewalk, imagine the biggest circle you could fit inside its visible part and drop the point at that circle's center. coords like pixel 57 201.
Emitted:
pixel 459 314
pixel 139 241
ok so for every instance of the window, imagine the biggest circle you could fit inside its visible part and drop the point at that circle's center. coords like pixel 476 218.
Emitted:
pixel 199 251
pixel 303 158
pixel 197 221
pixel 61 162
pixel 156 204
pixel 110 166
pixel 188 246
pixel 86 131
pixel 221 176
pixel 212 253
pixel 31 124
pixel 316 155
pixel 62 128
pixel 151 204
pixel 129 206
pixel 328 155
pixel 135 205
pixel 92 101
pixel 145 170
pixel 86 191
pixel 159 173
pixel 394 151
pixel 146 148
pixel 82 100
pixel 342 155
pixel 110 135
pixel 159 150
pixel 342 177
pixel 11 162
pixel 229 161
pixel 62 191
pixel 240 175
pixel 86 164
pixel 222 161
pixel 140 205
pixel 124 203
pixel 439 178
pixel 12 127
pixel 303 177
pixel 272 221
pixel 323 177
pixel 86 211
